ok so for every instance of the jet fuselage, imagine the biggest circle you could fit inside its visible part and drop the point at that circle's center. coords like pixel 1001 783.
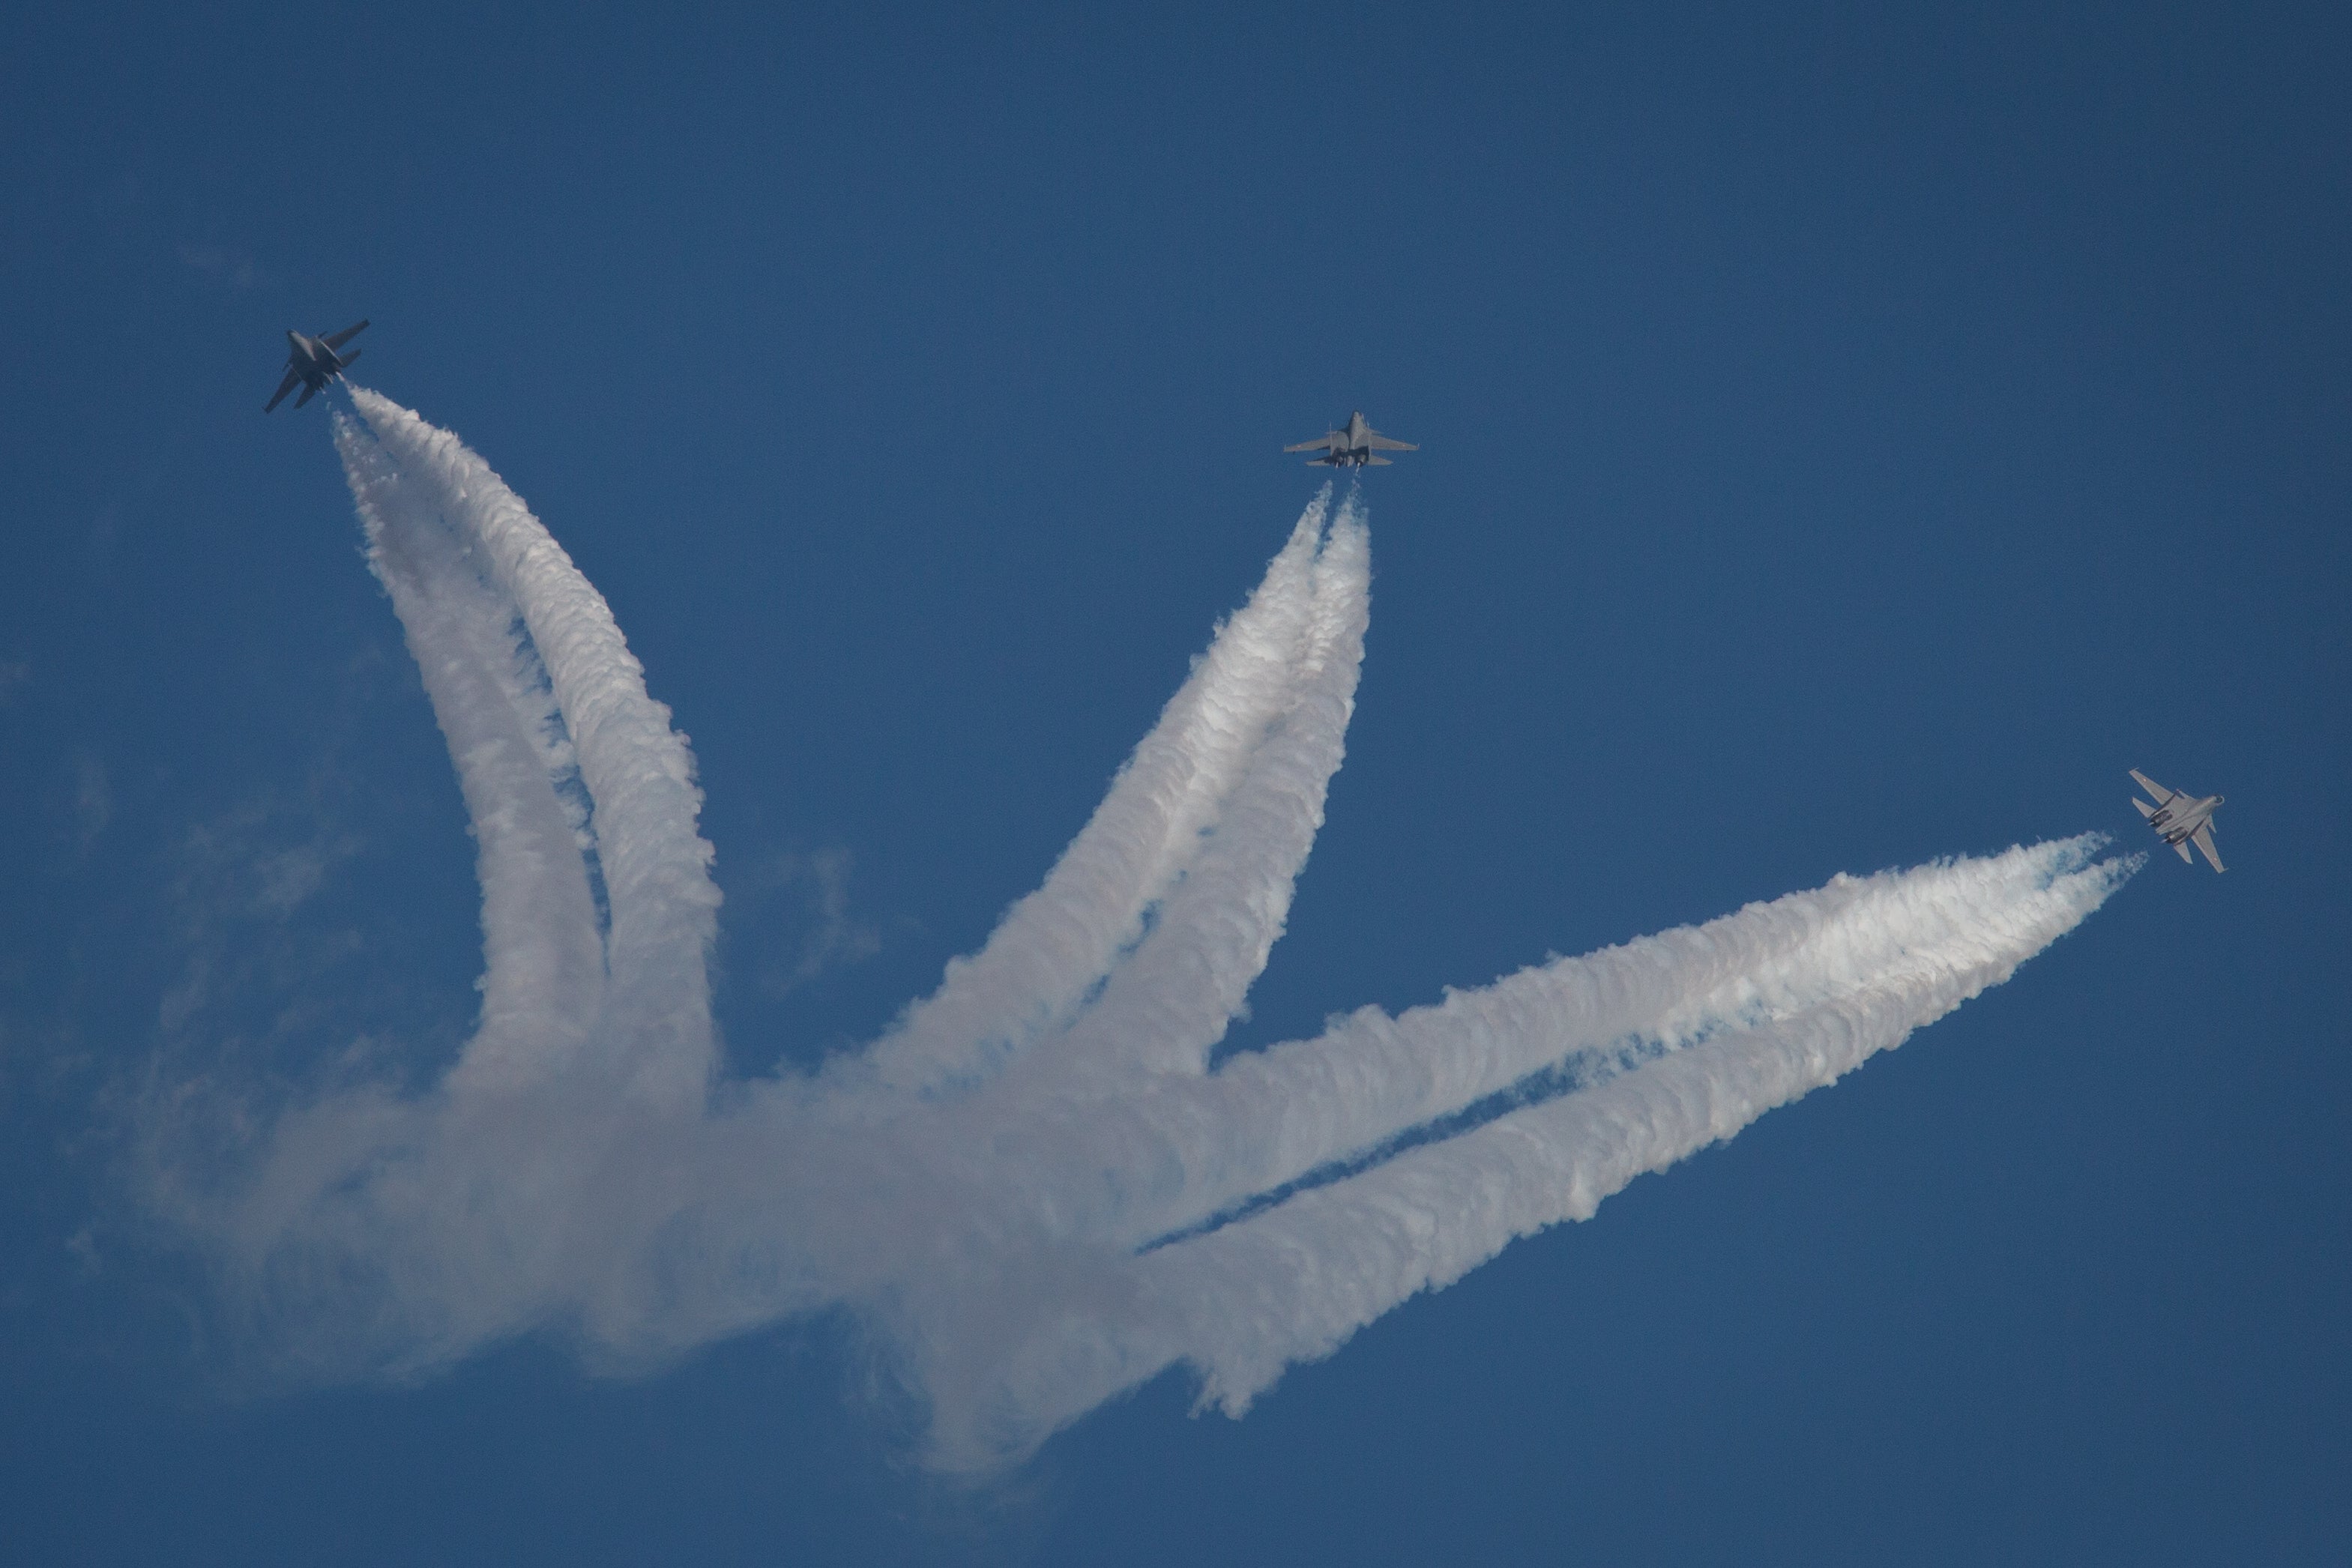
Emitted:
pixel 311 362
pixel 1354 445
pixel 2177 819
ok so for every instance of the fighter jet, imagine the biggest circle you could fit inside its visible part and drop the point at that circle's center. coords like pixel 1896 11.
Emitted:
pixel 2180 819
pixel 313 362
pixel 1352 446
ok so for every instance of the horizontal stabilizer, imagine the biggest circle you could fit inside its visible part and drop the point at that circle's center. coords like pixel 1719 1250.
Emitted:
pixel 347 359
pixel 310 391
pixel 2144 809
pixel 2182 845
pixel 2156 791
pixel 1379 462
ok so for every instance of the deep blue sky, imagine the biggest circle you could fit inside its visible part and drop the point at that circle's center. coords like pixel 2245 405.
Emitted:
pixel 1848 437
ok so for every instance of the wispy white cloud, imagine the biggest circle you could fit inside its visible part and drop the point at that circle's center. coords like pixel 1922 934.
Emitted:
pixel 222 264
pixel 835 938
pixel 93 798
pixel 1034 1183
pixel 239 878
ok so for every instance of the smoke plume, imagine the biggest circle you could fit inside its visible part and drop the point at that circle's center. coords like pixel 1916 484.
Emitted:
pixel 1034 1185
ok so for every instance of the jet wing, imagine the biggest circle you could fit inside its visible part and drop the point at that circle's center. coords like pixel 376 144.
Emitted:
pixel 2158 791
pixel 1379 443
pixel 338 340
pixel 292 376
pixel 2203 839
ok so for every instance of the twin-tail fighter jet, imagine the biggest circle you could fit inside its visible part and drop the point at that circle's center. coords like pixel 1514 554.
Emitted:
pixel 2180 819
pixel 1352 446
pixel 313 362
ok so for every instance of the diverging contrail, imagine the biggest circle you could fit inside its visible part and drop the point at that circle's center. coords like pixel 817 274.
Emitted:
pixel 636 769
pixel 1034 1185
pixel 545 966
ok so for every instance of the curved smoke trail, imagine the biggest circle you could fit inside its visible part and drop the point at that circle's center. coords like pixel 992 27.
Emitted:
pixel 1033 1182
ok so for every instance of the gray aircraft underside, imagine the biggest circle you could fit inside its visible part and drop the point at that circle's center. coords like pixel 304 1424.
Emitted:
pixel 313 362
pixel 1352 446
pixel 2180 819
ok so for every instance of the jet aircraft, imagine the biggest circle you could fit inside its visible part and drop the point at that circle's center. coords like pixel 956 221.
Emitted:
pixel 313 362
pixel 1352 446
pixel 2180 819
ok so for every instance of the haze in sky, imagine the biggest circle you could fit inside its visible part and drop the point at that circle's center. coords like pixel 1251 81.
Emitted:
pixel 480 1086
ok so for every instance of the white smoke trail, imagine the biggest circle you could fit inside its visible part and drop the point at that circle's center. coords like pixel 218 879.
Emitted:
pixel 1167 1005
pixel 1241 1302
pixel 1271 1119
pixel 1033 1182
pixel 638 770
pixel 543 958
pixel 1056 946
